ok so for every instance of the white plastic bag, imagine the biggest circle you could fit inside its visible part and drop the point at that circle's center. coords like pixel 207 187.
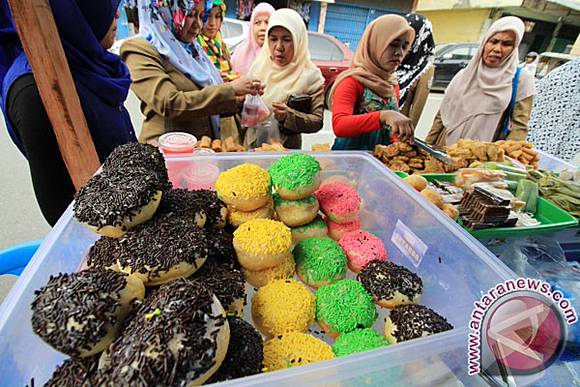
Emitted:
pixel 254 111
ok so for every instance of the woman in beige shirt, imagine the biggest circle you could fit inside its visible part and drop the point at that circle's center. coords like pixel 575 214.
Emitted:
pixel 179 88
pixel 285 68
pixel 415 73
pixel 478 99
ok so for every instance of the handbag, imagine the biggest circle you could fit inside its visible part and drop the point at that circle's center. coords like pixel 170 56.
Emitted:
pixel 300 102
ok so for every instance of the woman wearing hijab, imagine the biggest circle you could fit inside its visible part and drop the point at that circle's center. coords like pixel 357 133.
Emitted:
pixel 365 110
pixel 285 68
pixel 211 40
pixel 416 71
pixel 248 50
pixel 491 98
pixel 555 119
pixel 87 29
pixel 179 88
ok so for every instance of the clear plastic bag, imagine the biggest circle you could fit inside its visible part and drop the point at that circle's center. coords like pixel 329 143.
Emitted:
pixel 268 132
pixel 254 111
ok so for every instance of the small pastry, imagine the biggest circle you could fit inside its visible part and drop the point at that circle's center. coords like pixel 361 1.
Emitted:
pixel 246 187
pixel 391 285
pixel 359 340
pixel 339 201
pixel 226 283
pixel 295 349
pixel 178 337
pixel 409 322
pixel 237 218
pixel 202 207
pixel 295 176
pixel 283 306
pixel 315 229
pixel 336 230
pixel 261 278
pixel 295 213
pixel 104 253
pixel 343 307
pixel 80 314
pixel 362 247
pixel 319 261
pixel 245 355
pixel 79 372
pixel 262 243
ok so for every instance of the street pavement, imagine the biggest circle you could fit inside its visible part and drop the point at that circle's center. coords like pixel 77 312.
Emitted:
pixel 21 218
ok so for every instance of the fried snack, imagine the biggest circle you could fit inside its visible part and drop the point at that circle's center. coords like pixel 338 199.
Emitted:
pixel 274 147
pixel 205 142
pixel 401 158
pixel 229 144
pixel 321 148
pixel 521 151
pixel 399 166
pixel 216 145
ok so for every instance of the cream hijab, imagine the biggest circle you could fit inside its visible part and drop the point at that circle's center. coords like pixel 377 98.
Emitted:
pixel 298 76
pixel 478 95
pixel 366 65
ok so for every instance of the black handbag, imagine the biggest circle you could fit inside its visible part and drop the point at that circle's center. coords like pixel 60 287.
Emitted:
pixel 300 102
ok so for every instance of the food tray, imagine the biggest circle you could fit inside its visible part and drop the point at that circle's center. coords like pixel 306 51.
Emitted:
pixel 552 217
pixel 455 270
pixel 552 163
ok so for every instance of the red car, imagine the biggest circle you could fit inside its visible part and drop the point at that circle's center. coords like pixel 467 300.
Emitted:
pixel 330 55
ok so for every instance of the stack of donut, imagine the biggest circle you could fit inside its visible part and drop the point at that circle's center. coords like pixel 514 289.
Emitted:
pixel 247 191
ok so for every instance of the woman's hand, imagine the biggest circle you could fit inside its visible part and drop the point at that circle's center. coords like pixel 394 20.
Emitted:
pixel 401 125
pixel 244 86
pixel 280 111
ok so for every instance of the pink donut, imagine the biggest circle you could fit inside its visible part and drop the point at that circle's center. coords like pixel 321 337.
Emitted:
pixel 339 201
pixel 362 247
pixel 336 230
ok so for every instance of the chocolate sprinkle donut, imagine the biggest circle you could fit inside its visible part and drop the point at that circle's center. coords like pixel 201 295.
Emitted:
pixel 414 321
pixel 160 244
pixel 383 278
pixel 226 283
pixel 75 373
pixel 221 248
pixel 90 298
pixel 166 343
pixel 110 196
pixel 103 253
pixel 182 202
pixel 134 155
pixel 245 355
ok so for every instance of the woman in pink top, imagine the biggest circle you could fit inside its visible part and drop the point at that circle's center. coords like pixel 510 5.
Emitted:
pixel 248 50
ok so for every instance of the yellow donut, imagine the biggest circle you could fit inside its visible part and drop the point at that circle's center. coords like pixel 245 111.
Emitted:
pixel 236 217
pixel 262 243
pixel 293 350
pixel 263 277
pixel 245 187
pixel 283 306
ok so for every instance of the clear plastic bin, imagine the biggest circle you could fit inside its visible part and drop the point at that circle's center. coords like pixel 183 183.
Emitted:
pixel 552 163
pixel 455 269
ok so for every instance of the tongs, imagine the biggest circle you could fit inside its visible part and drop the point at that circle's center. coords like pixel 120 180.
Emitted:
pixel 437 153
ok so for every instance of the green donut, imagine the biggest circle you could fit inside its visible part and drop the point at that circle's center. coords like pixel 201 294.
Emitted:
pixel 345 306
pixel 294 171
pixel 279 201
pixel 359 340
pixel 318 222
pixel 320 260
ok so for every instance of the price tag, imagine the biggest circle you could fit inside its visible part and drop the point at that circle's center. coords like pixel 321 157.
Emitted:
pixel 410 245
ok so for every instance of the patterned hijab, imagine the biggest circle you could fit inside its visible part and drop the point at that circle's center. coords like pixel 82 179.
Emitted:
pixel 366 66
pixel 160 22
pixel 215 48
pixel 416 61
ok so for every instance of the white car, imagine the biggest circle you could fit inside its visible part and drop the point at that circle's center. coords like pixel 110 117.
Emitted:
pixel 233 32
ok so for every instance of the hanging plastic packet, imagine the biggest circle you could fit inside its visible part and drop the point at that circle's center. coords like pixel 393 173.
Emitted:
pixel 268 132
pixel 254 111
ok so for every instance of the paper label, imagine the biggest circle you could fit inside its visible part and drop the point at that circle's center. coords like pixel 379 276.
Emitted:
pixel 410 245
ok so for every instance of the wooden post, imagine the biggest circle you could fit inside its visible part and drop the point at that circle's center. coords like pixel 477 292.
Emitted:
pixel 39 35
pixel 322 20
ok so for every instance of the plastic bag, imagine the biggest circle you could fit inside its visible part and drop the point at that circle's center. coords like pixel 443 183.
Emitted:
pixel 268 132
pixel 254 111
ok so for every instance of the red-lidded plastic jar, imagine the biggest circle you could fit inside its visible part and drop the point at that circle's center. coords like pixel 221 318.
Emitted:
pixel 177 144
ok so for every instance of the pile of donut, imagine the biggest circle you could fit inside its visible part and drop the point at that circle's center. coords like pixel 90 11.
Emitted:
pixel 160 299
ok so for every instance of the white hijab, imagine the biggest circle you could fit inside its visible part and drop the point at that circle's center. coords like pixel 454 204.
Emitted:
pixel 298 76
pixel 478 95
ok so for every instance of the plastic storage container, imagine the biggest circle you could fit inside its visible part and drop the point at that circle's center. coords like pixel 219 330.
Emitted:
pixel 552 163
pixel 455 269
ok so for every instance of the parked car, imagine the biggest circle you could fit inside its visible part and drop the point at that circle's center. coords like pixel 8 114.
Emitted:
pixel 234 32
pixel 330 55
pixel 449 60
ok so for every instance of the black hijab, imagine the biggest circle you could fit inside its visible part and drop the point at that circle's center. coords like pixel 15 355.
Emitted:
pixel 417 59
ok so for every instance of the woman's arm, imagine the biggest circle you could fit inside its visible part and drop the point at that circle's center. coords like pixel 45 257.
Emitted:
pixel 153 86
pixel 520 119
pixel 299 122
pixel 344 122
pixel 437 130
